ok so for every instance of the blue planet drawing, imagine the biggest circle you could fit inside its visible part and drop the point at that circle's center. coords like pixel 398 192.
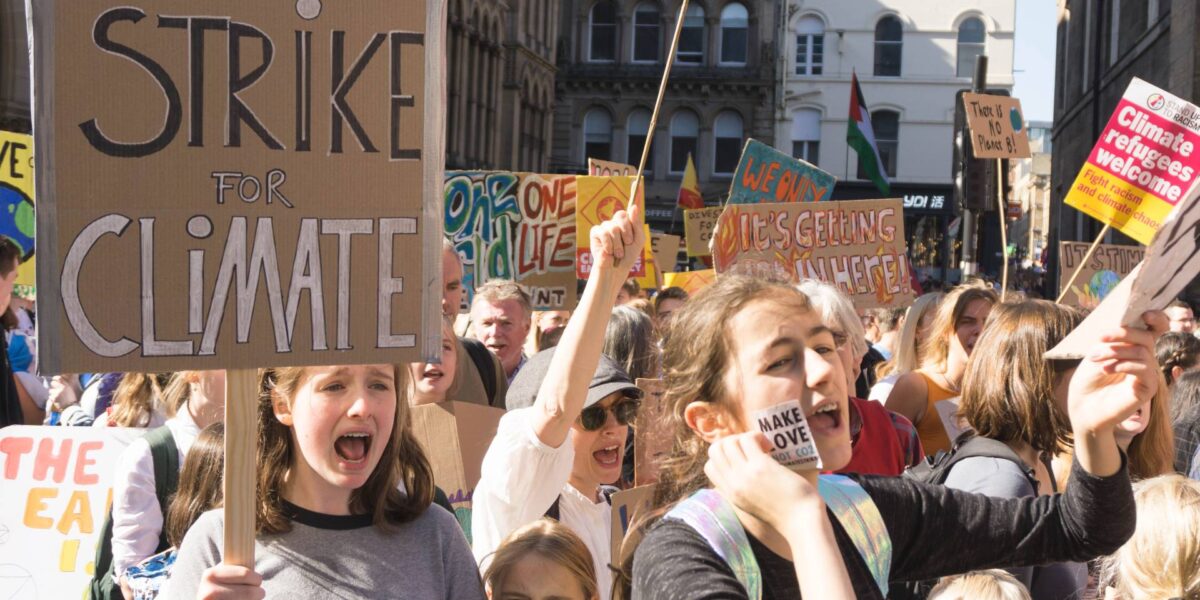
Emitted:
pixel 17 218
pixel 1102 283
pixel 1014 116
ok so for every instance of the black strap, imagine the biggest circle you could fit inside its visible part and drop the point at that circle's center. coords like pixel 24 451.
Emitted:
pixel 482 357
pixel 606 492
pixel 969 445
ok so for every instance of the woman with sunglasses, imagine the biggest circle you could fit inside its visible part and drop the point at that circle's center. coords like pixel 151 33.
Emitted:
pixel 562 442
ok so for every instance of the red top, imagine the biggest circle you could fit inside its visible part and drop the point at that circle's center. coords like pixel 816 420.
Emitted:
pixel 876 448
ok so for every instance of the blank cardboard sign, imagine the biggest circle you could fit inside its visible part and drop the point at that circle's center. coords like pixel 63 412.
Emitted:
pixel 455 436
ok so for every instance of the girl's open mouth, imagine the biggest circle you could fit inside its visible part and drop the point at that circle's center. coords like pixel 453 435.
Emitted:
pixel 353 447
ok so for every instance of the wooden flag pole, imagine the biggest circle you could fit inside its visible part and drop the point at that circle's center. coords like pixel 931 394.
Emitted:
pixel 241 442
pixel 1079 267
pixel 662 91
pixel 1003 226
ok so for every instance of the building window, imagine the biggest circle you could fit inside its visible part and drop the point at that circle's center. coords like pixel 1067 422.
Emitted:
pixel 691 39
pixel 685 136
pixel 889 39
pixel 727 142
pixel 645 33
pixel 806 135
pixel 597 135
pixel 603 27
pixel 886 125
pixel 971 36
pixel 735 32
pixel 637 126
pixel 810 46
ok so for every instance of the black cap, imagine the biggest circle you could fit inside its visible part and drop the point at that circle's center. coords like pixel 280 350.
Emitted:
pixel 609 379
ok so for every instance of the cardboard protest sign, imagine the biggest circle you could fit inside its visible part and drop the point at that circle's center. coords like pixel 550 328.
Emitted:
pixel 698 226
pixel 515 226
pixel 605 168
pixel 998 128
pixel 690 281
pixel 651 278
pixel 1144 163
pixel 628 506
pixel 599 199
pixel 858 246
pixel 653 434
pixel 16 199
pixel 1099 276
pixel 1172 261
pixel 56 490
pixel 665 249
pixel 765 174
pixel 193 222
pixel 455 436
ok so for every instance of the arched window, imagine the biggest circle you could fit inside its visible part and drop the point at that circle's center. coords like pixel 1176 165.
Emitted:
pixel 727 142
pixel 685 136
pixel 637 127
pixel 886 125
pixel 602 25
pixel 735 32
pixel 971 35
pixel 806 135
pixel 810 46
pixel 597 135
pixel 889 39
pixel 691 38
pixel 645 33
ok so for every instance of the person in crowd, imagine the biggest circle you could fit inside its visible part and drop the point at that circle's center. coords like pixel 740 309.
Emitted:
pixel 907 356
pixel 629 340
pixel 195 400
pixel 549 326
pixel 454 293
pixel 630 290
pixel 889 321
pixel 32 393
pixel 1162 559
pixel 747 350
pixel 543 560
pixel 137 402
pixel 435 383
pixel 1180 314
pixel 1019 399
pixel 1147 437
pixel 13 408
pixel 992 584
pixel 502 315
pixel 486 373
pixel 1177 353
pixel 956 327
pixel 199 491
pixel 883 442
pixel 569 410
pixel 65 390
pixel 641 305
pixel 870 325
pixel 1185 420
pixel 344 499
pixel 666 303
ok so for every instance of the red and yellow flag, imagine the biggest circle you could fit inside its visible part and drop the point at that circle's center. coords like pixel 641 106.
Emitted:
pixel 689 190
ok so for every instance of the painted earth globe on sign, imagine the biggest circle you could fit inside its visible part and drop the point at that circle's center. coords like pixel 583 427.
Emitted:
pixel 1102 283
pixel 17 220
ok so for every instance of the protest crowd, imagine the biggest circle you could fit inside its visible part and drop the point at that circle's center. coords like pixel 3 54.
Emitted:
pixel 790 412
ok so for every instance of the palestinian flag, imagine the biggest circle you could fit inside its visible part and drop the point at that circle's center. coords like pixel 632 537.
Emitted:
pixel 861 137
pixel 689 190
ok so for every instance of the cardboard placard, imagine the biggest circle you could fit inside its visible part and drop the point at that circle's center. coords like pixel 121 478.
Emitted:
pixel 628 506
pixel 1172 261
pixel 607 168
pixel 599 199
pixel 16 200
pixel 690 281
pixel 698 227
pixel 232 220
pixel 654 433
pixel 1107 267
pixel 947 411
pixel 765 174
pixel 55 490
pixel 514 226
pixel 665 248
pixel 1144 163
pixel 652 277
pixel 455 436
pixel 998 127
pixel 859 246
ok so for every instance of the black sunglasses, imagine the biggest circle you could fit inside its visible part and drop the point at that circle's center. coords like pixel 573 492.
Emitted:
pixel 594 417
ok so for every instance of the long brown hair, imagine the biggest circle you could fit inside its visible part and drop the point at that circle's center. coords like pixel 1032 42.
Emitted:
pixel 1010 396
pixel 135 400
pixel 199 483
pixel 936 348
pixel 403 461
pixel 550 540
pixel 1152 452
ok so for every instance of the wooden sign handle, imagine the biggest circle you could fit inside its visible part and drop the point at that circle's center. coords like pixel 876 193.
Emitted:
pixel 1079 267
pixel 662 91
pixel 241 444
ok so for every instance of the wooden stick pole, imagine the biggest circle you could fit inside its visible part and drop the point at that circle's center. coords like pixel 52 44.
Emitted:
pixel 1079 267
pixel 241 441
pixel 1003 226
pixel 662 91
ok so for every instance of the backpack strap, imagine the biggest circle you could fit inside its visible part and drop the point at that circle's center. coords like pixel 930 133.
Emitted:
pixel 606 492
pixel 165 454
pixel 859 516
pixel 713 518
pixel 969 445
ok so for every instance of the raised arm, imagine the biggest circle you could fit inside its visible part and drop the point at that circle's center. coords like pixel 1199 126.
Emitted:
pixel 616 245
